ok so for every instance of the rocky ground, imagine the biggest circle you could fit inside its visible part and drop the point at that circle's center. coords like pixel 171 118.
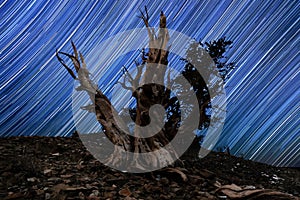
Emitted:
pixel 61 168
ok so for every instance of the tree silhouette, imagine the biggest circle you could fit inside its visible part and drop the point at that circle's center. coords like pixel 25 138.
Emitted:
pixel 151 73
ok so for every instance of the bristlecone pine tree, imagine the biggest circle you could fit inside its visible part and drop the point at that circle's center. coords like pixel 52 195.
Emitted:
pixel 153 65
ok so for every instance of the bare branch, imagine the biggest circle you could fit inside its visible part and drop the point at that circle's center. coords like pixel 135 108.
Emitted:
pixel 74 60
pixel 90 108
pixel 124 85
pixel 82 61
pixel 145 18
pixel 136 80
pixel 75 50
pixel 127 73
pixel 133 81
pixel 64 64
pixel 146 12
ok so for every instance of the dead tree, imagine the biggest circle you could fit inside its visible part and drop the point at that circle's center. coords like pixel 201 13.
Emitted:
pixel 155 62
pixel 148 89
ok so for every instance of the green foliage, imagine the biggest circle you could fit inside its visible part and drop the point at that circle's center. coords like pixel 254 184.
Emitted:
pixel 217 50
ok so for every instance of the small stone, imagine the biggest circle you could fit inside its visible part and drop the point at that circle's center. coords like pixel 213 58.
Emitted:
pixel 54 179
pixel 177 189
pixel 33 179
pixel 264 174
pixel 66 175
pixel 95 193
pixel 217 184
pixel 276 178
pixel 85 179
pixel 35 187
pixel 47 171
pixel 81 196
pixel 125 192
pixel 74 188
pixel 47 196
pixel 250 187
pixel 207 174
pixel 67 181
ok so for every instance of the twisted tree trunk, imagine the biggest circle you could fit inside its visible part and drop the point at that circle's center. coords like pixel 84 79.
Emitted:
pixel 148 89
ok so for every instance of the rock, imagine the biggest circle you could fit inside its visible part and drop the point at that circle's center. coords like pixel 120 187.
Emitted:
pixel 74 188
pixel 177 190
pixel 217 184
pixel 35 187
pixel 66 175
pixel 249 187
pixel 81 196
pixel 276 178
pixel 125 192
pixel 54 179
pixel 33 179
pixel 207 174
pixel 84 179
pixel 47 196
pixel 48 172
pixel 95 193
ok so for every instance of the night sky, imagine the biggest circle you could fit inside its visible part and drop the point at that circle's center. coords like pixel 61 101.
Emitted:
pixel 263 107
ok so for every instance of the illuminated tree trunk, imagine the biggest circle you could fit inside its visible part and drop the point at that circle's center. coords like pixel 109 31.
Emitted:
pixel 150 93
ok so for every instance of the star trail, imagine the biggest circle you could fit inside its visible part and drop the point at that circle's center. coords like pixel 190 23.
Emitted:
pixel 263 107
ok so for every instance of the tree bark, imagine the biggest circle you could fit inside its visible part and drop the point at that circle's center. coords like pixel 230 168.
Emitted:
pixel 151 92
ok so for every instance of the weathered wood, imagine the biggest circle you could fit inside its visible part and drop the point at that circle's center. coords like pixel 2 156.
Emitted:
pixel 151 93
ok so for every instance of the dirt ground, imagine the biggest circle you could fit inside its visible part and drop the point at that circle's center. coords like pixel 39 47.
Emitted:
pixel 61 168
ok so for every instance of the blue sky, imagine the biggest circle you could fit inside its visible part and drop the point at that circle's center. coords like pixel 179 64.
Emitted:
pixel 263 93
